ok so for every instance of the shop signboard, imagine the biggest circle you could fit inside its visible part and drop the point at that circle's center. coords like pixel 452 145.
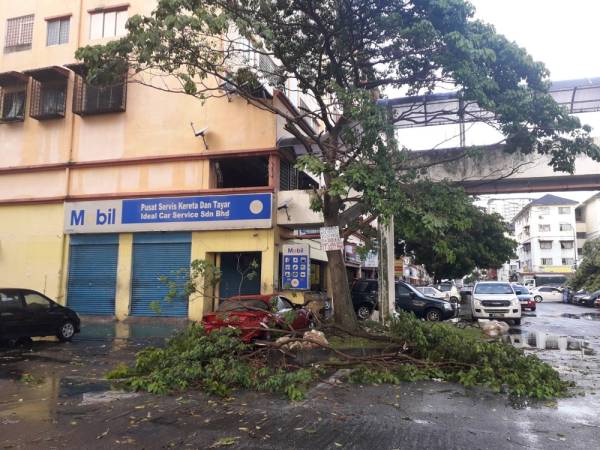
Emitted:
pixel 295 266
pixel 204 212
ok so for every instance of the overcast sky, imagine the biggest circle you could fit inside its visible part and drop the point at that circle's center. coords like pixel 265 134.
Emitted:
pixel 564 34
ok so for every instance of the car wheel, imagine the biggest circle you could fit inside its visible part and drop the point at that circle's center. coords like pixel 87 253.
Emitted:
pixel 66 331
pixel 364 312
pixel 538 298
pixel 433 315
pixel 517 321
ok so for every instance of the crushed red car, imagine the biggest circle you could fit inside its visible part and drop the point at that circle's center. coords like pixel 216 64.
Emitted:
pixel 250 313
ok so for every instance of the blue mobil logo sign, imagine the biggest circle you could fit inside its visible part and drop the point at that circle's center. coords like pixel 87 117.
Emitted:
pixel 204 212
pixel 295 266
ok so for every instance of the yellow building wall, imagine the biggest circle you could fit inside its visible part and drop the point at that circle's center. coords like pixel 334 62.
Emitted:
pixel 31 243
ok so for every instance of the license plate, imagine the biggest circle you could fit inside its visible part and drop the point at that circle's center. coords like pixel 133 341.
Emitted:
pixel 496 315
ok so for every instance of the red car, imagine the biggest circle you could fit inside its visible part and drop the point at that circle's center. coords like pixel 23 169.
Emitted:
pixel 250 313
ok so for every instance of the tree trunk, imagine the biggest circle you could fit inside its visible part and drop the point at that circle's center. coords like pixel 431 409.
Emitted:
pixel 343 310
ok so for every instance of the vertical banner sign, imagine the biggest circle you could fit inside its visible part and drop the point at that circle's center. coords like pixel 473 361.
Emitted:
pixel 330 239
pixel 295 267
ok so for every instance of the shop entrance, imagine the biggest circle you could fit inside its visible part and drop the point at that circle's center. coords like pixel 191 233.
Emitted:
pixel 240 274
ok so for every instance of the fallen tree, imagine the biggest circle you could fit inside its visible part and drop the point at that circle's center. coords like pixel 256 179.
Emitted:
pixel 408 350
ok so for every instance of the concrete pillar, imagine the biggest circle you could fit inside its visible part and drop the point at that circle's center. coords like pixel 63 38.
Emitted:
pixel 269 270
pixel 386 270
pixel 200 302
pixel 124 269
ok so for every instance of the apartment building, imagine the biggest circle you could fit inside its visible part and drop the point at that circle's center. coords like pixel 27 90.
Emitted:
pixel 507 207
pixel 587 215
pixel 545 230
pixel 104 189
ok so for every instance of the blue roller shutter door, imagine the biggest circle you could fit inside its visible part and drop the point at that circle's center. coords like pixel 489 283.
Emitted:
pixel 92 278
pixel 156 255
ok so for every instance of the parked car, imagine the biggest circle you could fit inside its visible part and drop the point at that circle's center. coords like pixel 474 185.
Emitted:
pixel 450 290
pixel 431 291
pixel 364 297
pixel 576 299
pixel 26 313
pixel 589 299
pixel 525 297
pixel 496 300
pixel 429 308
pixel 251 313
pixel 547 293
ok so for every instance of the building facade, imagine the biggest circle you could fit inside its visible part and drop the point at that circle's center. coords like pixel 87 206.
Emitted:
pixel 587 215
pixel 507 207
pixel 105 191
pixel 545 230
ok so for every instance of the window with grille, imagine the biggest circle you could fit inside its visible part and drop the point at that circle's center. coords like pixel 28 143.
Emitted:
pixel 105 24
pixel 566 245
pixel 546 261
pixel 48 99
pixel 564 210
pixel 58 31
pixel 89 99
pixel 13 106
pixel 546 245
pixel 19 34
pixel 566 227
pixel 568 261
pixel 544 228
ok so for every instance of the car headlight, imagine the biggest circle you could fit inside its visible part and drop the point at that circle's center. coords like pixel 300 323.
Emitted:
pixel 586 298
pixel 476 302
pixel 516 302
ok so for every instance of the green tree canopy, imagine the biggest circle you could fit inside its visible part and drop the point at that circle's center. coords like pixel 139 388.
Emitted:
pixel 344 55
pixel 587 275
pixel 450 235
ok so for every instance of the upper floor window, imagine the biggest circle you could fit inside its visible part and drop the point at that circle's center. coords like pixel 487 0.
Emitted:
pixel 566 227
pixel 90 99
pixel 544 228
pixel 564 210
pixel 107 23
pixel 13 96
pixel 58 31
pixel 546 245
pixel 48 99
pixel 19 34
pixel 546 261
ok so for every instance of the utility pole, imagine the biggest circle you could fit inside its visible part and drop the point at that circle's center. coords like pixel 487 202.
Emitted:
pixel 386 281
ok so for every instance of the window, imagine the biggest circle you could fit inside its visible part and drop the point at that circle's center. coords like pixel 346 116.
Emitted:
pixel 36 302
pixel 546 245
pixel 58 31
pixel 564 210
pixel 89 100
pixel 13 106
pixel 19 34
pixel 566 245
pixel 10 300
pixel 48 93
pixel 568 261
pixel 581 235
pixel 544 228
pixel 104 24
pixel 546 261
pixel 544 210
pixel 252 171
pixel 566 227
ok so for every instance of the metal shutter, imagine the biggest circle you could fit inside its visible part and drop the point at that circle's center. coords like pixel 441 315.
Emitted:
pixel 155 255
pixel 93 273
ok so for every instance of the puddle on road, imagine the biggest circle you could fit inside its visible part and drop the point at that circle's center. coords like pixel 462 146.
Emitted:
pixel 585 316
pixel 545 341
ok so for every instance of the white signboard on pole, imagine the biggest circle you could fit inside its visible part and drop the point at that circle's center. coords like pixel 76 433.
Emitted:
pixel 330 239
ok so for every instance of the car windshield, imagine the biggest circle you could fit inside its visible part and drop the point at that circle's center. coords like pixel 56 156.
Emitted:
pixel 493 288
pixel 523 289
pixel 243 305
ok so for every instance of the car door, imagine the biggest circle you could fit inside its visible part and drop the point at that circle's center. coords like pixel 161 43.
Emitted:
pixel 13 316
pixel 403 297
pixel 44 318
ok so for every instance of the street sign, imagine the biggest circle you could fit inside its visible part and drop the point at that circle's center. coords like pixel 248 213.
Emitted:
pixel 295 270
pixel 330 238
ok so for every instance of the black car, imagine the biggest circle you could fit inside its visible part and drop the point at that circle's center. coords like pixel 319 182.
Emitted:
pixel 429 308
pixel 25 313
pixel 589 299
pixel 364 297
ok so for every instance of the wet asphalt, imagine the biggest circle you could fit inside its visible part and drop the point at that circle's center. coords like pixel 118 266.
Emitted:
pixel 55 396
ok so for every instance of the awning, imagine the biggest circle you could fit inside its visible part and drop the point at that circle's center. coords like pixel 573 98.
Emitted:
pixel 52 73
pixel 13 78
pixel 78 68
